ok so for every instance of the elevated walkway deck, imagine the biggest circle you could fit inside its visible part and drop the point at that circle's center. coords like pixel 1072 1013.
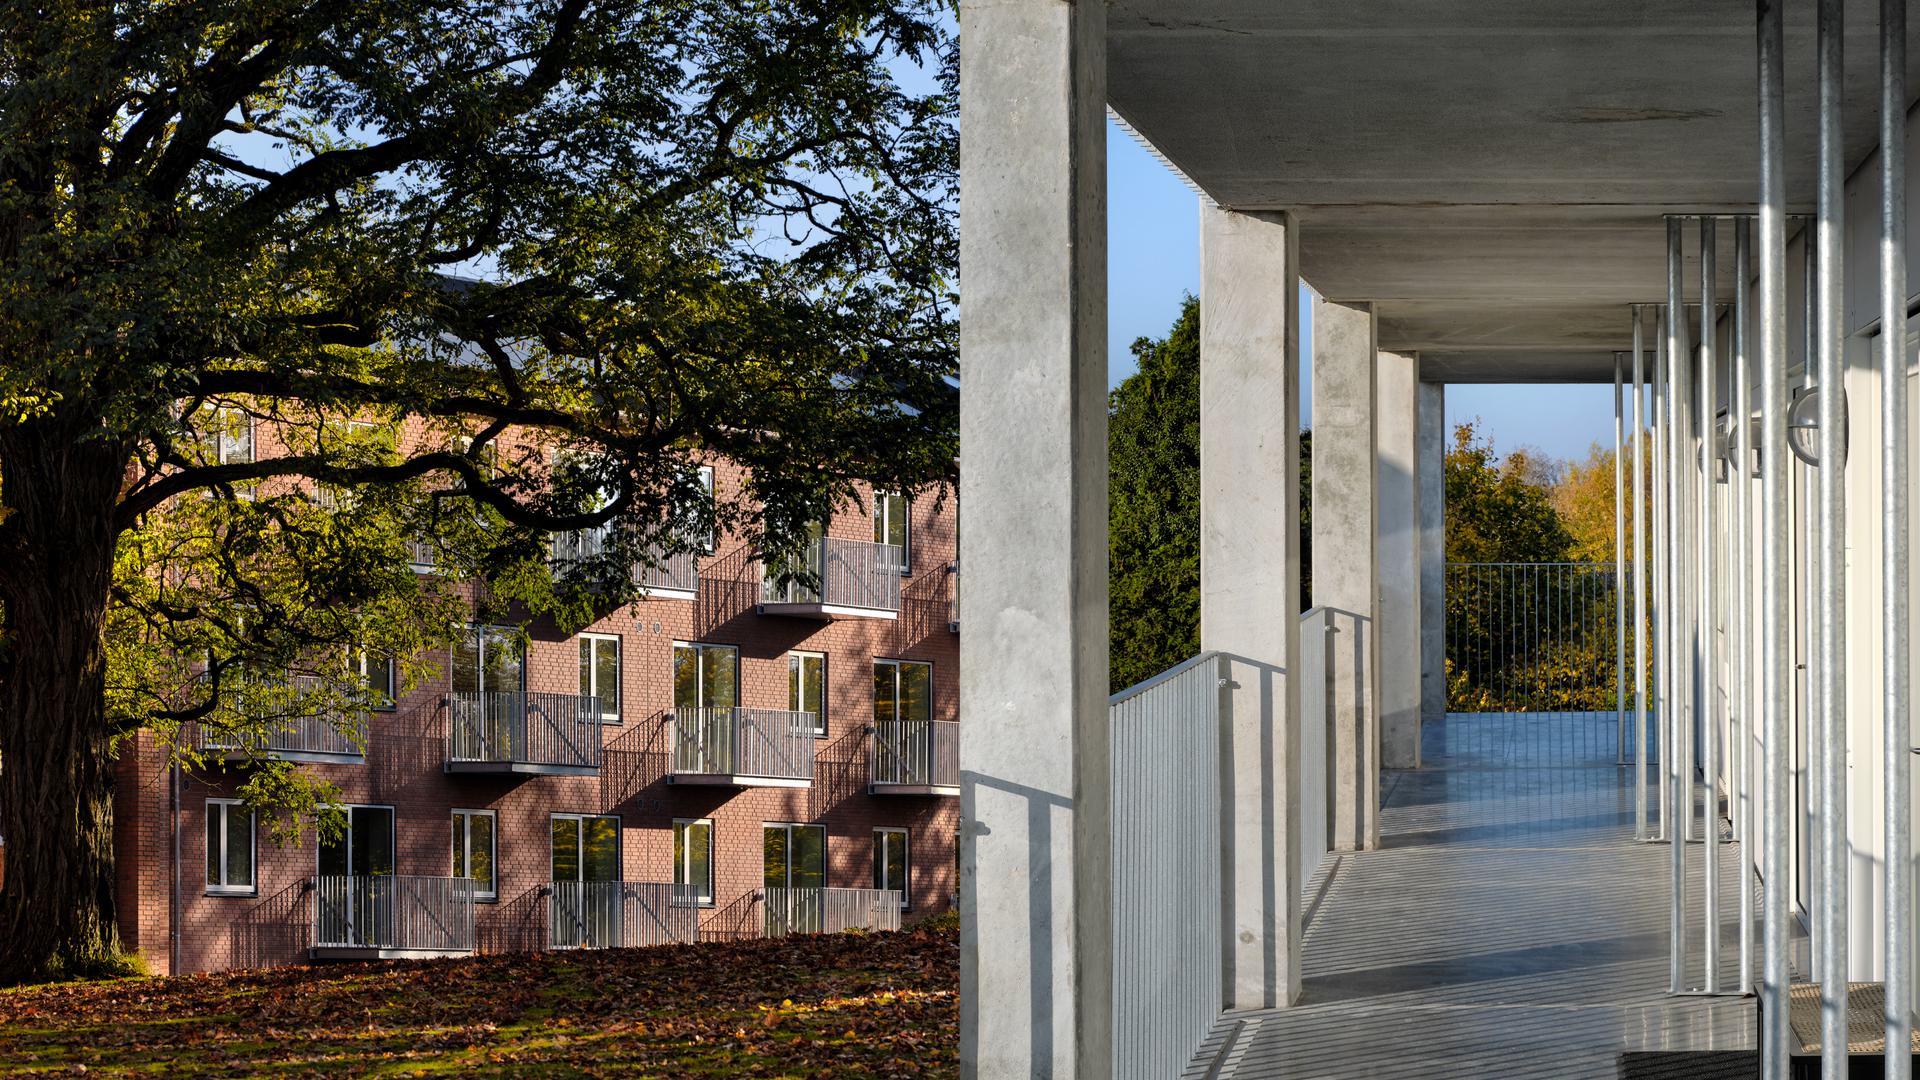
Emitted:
pixel 1510 926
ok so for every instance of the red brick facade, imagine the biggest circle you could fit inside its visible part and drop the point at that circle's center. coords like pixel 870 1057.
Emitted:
pixel 407 751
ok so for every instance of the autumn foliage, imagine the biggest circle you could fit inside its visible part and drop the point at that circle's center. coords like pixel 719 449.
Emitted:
pixel 841 1005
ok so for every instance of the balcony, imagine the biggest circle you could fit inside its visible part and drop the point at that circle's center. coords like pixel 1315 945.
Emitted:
pixel 422 556
pixel 327 737
pixel 665 576
pixel 524 733
pixel 390 917
pixel 617 915
pixel 828 911
pixel 858 579
pixel 916 757
pixel 743 747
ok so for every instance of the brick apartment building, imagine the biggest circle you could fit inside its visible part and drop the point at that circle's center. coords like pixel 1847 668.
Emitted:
pixel 721 759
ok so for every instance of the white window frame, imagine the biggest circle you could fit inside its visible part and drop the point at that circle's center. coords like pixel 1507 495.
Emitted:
pixel 227 888
pixel 466 855
pixel 705 647
pixel 704 898
pixel 711 541
pixel 226 444
pixel 592 670
pixel 820 718
pixel 906 861
pixel 883 517
pixel 896 664
pixel 580 834
pixel 364 665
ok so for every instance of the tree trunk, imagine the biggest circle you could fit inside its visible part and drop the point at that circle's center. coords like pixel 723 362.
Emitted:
pixel 56 811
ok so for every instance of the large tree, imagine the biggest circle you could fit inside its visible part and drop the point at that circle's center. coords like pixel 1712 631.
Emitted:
pixel 1153 533
pixel 407 233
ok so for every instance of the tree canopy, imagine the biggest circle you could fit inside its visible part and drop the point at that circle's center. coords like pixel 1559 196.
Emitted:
pixel 481 272
pixel 1499 508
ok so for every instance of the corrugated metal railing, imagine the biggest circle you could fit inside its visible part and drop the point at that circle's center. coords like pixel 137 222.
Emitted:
pixel 829 911
pixel 773 743
pixel 393 912
pixel 1315 817
pixel 678 571
pixel 1166 866
pixel 326 733
pixel 524 727
pixel 921 753
pixel 617 915
pixel 852 573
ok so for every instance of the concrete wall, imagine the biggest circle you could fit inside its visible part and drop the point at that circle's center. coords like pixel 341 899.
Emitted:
pixel 1398 551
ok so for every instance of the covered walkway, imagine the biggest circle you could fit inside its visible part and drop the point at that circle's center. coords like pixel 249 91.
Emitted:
pixel 1510 926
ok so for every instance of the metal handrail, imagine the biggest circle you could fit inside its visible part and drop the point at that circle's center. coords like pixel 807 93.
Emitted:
pixel 326 732
pixel 850 573
pixel 617 914
pixel 916 752
pixel 526 727
pixel 790 910
pixel 393 912
pixel 774 743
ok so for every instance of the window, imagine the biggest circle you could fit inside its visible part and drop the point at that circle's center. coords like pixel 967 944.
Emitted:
pixel 377 674
pixel 229 848
pixel 902 690
pixel 489 659
pixel 807 687
pixel 709 541
pixel 890 525
pixel 890 863
pixel 795 856
pixel 693 861
pixel 474 851
pixel 705 676
pixel 600 673
pixel 586 848
pixel 365 849
pixel 233 435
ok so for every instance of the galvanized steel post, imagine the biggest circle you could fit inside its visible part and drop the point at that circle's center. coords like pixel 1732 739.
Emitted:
pixel 1894 657
pixel 1639 583
pixel 1680 797
pixel 1619 566
pixel 1708 664
pixel 1740 577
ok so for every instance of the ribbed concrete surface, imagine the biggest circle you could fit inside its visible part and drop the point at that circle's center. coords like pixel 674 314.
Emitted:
pixel 1511 927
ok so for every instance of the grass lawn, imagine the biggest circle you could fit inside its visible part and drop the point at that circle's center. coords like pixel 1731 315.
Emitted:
pixel 841 1006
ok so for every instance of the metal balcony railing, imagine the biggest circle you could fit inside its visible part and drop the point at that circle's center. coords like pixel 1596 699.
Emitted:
pixel 918 754
pixel 392 914
pixel 523 731
pixel 421 555
pixel 676 572
pixel 752 744
pixel 617 915
pixel 325 735
pixel 829 911
pixel 856 574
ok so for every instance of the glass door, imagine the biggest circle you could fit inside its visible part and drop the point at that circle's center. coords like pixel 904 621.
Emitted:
pixel 586 881
pixel 795 870
pixel 356 870
pixel 489 684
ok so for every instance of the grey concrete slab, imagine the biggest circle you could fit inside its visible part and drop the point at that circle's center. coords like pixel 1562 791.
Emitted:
pixel 1510 925
pixel 1490 175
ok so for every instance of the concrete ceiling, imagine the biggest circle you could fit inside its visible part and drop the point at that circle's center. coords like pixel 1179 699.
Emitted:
pixel 1491 174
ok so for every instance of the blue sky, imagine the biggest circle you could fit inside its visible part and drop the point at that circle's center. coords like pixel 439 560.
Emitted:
pixel 1153 260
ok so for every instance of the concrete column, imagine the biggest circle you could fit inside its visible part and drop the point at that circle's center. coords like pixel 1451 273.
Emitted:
pixel 1397 548
pixel 1250 582
pixel 1036 848
pixel 1346 513
pixel 1432 470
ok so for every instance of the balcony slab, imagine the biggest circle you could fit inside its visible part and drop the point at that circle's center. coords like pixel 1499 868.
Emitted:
pixel 519 768
pixel 939 790
pixel 738 780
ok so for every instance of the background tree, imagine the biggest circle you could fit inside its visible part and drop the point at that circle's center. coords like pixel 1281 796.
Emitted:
pixel 407 232
pixel 1153 536
pixel 1499 508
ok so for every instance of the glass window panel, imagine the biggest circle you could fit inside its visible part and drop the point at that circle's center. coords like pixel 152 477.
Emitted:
pixel 806 687
pixel 501 660
pixel 916 691
pixel 700 858
pixel 466 662
pixel 333 854
pixel 586 667
pixel 719 676
pixel 606 682
pixel 239 847
pixel 480 860
pixel 809 856
pixel 686 676
pixel 216 832
pixel 566 849
pixel 459 844
pixel 775 839
pixel 600 858
pixel 372 838
pixel 885 691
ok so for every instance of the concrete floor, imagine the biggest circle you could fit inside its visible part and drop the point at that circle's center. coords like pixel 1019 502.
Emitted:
pixel 1511 926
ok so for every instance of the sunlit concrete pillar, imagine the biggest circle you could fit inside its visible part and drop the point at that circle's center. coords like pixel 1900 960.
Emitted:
pixel 1036 848
pixel 1431 469
pixel 1250 581
pixel 1397 551
pixel 1346 513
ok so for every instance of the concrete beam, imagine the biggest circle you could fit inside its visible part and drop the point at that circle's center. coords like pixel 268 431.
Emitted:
pixel 1036 848
pixel 1431 468
pixel 1346 512
pixel 1250 581
pixel 1398 551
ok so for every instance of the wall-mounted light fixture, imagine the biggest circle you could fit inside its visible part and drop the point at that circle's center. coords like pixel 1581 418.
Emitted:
pixel 1803 427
